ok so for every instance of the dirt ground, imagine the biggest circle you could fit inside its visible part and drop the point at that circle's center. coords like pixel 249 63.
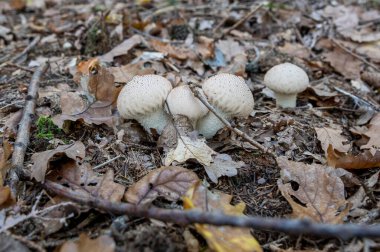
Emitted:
pixel 334 130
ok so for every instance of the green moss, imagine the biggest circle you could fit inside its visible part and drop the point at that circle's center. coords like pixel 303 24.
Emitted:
pixel 46 128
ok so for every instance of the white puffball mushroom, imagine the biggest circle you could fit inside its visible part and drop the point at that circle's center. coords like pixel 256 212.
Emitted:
pixel 230 96
pixel 286 80
pixel 181 101
pixel 143 99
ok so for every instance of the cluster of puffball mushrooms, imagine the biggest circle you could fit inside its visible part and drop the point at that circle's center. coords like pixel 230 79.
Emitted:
pixel 150 99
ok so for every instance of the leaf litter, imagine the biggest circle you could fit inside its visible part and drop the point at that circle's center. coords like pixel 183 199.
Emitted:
pixel 94 49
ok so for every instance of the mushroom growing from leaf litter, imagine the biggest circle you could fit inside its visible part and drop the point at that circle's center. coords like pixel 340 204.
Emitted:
pixel 181 101
pixel 286 80
pixel 143 99
pixel 230 96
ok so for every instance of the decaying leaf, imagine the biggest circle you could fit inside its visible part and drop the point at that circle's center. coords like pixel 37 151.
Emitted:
pixel 42 161
pixel 123 48
pixel 318 189
pixel 332 137
pixel 344 63
pixel 373 134
pixel 124 74
pixel 220 238
pixel 188 148
pixel 103 243
pixel 5 197
pixel 230 48
pixel 170 182
pixel 108 189
pixel 180 53
pixel 5 153
pixel 363 160
pixel 74 108
pixel 223 165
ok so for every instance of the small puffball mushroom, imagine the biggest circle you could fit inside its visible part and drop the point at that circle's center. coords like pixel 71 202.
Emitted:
pixel 143 99
pixel 181 101
pixel 230 96
pixel 286 80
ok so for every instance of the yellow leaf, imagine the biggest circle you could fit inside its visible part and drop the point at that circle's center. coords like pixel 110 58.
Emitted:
pixel 223 238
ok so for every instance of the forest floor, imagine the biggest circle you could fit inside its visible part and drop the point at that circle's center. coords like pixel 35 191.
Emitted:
pixel 324 155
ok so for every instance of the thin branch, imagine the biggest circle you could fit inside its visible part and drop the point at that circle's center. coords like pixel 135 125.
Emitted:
pixel 355 55
pixel 358 100
pixel 17 58
pixel 23 133
pixel 203 99
pixel 294 227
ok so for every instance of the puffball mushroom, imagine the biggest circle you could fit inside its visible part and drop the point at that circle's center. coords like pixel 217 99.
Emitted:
pixel 230 96
pixel 181 101
pixel 143 99
pixel 286 80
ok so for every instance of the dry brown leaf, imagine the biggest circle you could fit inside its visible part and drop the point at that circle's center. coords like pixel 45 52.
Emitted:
pixel 320 191
pixel 5 153
pixel 344 63
pixel 124 74
pixel 332 137
pixel 108 189
pixel 295 50
pixel 205 47
pixel 223 165
pixel 237 66
pixel 6 199
pixel 42 161
pixel 75 108
pixel 123 48
pixel 363 160
pixel 180 53
pixel 188 148
pixel 230 49
pixel 170 182
pixel 224 238
pixel 373 134
pixel 103 243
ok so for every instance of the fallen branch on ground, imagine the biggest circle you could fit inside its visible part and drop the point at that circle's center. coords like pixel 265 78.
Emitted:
pixel 23 133
pixel 295 227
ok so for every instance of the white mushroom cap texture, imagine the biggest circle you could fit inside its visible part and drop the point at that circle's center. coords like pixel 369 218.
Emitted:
pixel 286 78
pixel 230 94
pixel 143 99
pixel 181 101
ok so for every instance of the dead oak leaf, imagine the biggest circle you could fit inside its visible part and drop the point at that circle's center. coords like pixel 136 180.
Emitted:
pixel 332 137
pixel 223 238
pixel 363 160
pixel 42 161
pixel 320 192
pixel 170 182
pixel 124 74
pixel 181 53
pixel 108 189
pixel 344 63
pixel 188 148
pixel 223 165
pixel 103 243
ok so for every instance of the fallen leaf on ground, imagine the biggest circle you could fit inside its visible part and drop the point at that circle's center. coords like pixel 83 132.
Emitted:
pixel 373 134
pixel 124 74
pixel 170 182
pixel 108 189
pixel 295 50
pixel 188 148
pixel 180 53
pixel 332 137
pixel 42 161
pixel 8 243
pixel 230 48
pixel 6 199
pixel 103 243
pixel 223 238
pixel 319 190
pixel 363 160
pixel 123 48
pixel 5 153
pixel 223 165
pixel 74 108
pixel 344 63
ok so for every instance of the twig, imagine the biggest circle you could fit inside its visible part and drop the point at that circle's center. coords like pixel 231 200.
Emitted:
pixel 106 163
pixel 32 44
pixel 355 55
pixel 359 101
pixel 245 18
pixel 203 99
pixel 294 227
pixel 23 134
pixel 27 242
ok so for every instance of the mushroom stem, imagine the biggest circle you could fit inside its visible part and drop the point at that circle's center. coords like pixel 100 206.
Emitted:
pixel 210 124
pixel 286 100
pixel 156 120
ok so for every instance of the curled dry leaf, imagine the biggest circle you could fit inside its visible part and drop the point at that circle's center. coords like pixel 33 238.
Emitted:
pixel 74 108
pixel 170 182
pixel 103 243
pixel 223 165
pixel 42 161
pixel 363 160
pixel 222 238
pixel 188 148
pixel 319 190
